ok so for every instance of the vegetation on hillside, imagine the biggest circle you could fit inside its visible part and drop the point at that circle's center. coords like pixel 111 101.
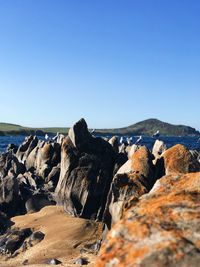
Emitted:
pixel 146 127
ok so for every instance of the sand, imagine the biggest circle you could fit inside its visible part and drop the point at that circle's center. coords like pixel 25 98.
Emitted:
pixel 65 238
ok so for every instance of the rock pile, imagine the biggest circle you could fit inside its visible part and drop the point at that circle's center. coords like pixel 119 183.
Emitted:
pixel 148 201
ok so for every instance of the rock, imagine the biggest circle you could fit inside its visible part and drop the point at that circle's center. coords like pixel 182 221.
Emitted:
pixel 79 135
pixel 37 201
pixel 159 148
pixel 114 143
pixel 53 176
pixel 176 159
pixel 81 261
pixel 10 201
pixel 12 148
pixel 10 164
pixel 43 158
pixel 54 262
pixel 36 237
pixel 4 222
pixel 60 138
pixel 27 146
pixel 134 178
pixel 13 240
pixel 162 229
pixel 86 172
pixel 132 150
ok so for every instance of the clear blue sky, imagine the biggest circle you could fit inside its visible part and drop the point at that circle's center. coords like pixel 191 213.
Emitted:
pixel 113 62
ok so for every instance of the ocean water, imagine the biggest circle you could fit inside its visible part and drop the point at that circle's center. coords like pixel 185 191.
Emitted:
pixel 190 142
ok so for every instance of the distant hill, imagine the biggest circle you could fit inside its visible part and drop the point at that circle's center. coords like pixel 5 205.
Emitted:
pixel 146 127
pixel 150 126
pixel 14 129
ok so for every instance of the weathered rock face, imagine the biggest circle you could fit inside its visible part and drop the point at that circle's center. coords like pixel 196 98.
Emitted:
pixel 27 146
pixel 43 158
pixel 133 179
pixel 86 172
pixel 10 200
pixel 177 159
pixel 162 229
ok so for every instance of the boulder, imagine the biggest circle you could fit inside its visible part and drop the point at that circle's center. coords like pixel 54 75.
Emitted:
pixel 86 172
pixel 134 178
pixel 177 159
pixel 161 229
pixel 13 239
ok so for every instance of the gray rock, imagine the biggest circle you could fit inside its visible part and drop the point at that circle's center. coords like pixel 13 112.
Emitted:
pixel 86 172
pixel 81 261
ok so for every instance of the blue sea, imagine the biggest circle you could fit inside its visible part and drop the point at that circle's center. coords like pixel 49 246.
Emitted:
pixel 190 142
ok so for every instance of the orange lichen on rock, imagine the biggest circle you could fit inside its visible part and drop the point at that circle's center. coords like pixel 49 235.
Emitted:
pixel 162 229
pixel 141 161
pixel 178 159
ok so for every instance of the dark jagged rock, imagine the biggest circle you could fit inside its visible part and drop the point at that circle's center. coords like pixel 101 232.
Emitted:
pixel 4 222
pixel 13 240
pixel 26 147
pixel 43 158
pixel 79 135
pixel 86 172
pixel 12 148
pixel 10 164
pixel 134 179
pixel 10 201
pixel 53 176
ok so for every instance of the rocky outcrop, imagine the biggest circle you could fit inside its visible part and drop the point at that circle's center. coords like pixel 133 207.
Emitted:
pixel 177 159
pixel 161 229
pixel 85 173
pixel 26 147
pixel 10 199
pixel 43 158
pixel 134 178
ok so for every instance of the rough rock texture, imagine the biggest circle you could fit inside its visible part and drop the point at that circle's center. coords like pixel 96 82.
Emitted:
pixel 86 172
pixel 26 147
pixel 10 199
pixel 162 229
pixel 134 178
pixel 177 159
pixel 43 158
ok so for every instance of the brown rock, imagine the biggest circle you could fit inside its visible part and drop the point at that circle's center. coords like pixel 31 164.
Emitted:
pixel 161 230
pixel 134 178
pixel 177 159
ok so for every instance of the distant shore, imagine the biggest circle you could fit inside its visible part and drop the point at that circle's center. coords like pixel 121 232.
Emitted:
pixel 146 128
